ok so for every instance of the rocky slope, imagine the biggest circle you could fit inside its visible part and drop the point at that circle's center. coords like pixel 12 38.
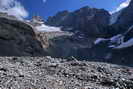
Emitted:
pixel 53 73
pixel 17 38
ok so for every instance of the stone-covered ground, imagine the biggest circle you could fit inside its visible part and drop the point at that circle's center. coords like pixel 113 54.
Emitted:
pixel 53 73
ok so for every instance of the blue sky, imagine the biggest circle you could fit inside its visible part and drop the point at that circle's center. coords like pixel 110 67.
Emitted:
pixel 51 7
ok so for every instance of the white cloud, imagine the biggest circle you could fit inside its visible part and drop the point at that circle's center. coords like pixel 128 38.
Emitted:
pixel 13 7
pixel 121 6
pixel 44 1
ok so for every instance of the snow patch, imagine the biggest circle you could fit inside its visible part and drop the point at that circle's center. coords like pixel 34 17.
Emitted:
pixel 111 46
pixel 115 38
pixel 98 40
pixel 129 43
pixel 45 28
pixel 116 41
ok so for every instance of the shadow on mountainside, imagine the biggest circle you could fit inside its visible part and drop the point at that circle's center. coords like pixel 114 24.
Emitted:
pixel 71 48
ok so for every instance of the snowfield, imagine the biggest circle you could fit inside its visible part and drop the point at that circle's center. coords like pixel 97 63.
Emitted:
pixel 117 42
pixel 98 40
pixel 46 28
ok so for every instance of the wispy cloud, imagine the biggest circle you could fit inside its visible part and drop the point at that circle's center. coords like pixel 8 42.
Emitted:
pixel 13 7
pixel 121 6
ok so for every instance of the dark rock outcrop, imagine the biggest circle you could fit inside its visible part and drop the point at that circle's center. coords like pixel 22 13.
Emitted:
pixel 18 39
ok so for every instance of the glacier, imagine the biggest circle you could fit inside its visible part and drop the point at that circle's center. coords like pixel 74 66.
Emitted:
pixel 45 28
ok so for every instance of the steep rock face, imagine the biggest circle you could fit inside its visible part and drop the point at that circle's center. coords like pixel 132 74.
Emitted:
pixel 124 50
pixel 90 21
pixel 114 17
pixel 18 39
pixel 86 24
pixel 66 44
pixel 125 19
pixel 59 19
pixel 117 47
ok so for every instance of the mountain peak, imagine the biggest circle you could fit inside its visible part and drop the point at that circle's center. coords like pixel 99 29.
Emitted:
pixel 37 19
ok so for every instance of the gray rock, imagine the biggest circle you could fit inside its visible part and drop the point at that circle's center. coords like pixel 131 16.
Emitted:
pixel 18 39
pixel 54 73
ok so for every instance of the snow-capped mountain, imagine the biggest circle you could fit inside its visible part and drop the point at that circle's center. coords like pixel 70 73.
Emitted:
pixel 39 25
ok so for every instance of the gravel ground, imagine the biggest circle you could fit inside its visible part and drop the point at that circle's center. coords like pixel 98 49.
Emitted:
pixel 56 73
